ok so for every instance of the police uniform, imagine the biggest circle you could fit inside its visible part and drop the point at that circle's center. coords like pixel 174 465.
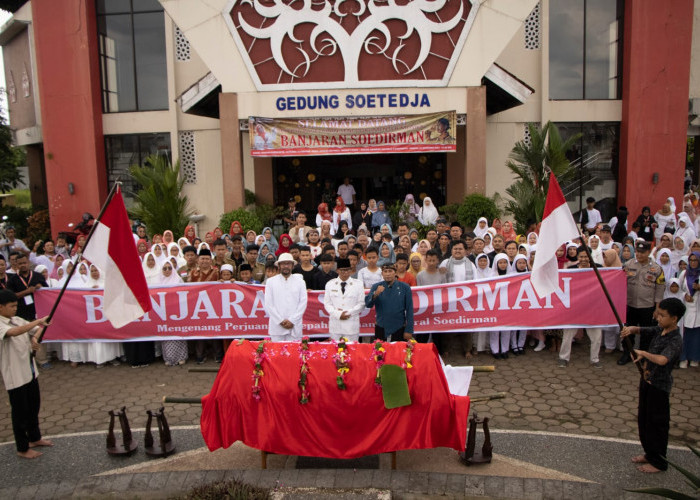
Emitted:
pixel 645 289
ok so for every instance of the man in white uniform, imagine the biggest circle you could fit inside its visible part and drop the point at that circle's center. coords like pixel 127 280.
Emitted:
pixel 344 301
pixel 285 302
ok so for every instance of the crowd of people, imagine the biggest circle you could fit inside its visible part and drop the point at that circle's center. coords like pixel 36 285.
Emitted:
pixel 361 261
pixel 662 246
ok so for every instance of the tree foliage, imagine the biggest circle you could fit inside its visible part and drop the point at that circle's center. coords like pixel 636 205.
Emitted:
pixel 475 206
pixel 160 204
pixel 11 158
pixel 531 164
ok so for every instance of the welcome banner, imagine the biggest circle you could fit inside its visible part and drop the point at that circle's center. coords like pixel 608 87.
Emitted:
pixel 227 310
pixel 328 136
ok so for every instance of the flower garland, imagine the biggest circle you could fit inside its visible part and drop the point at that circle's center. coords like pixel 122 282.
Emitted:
pixel 408 354
pixel 378 353
pixel 304 356
pixel 342 362
pixel 259 356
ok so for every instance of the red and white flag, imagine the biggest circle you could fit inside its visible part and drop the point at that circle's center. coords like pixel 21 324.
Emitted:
pixel 112 249
pixel 557 228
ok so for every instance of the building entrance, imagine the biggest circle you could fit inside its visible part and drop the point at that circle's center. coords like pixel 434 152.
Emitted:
pixel 386 177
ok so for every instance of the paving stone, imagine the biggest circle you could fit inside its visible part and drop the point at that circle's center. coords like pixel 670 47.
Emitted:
pixel 27 492
pixel 494 486
pixel 344 478
pixel 120 482
pixel 381 479
pixel 214 476
pixel 455 484
pixel 325 478
pixel 288 477
pixel 252 477
pixel 45 491
pixel 176 480
pixel 532 488
pixel 269 478
pixel 553 490
pixel 196 478
pixel 514 487
pixel 363 478
pixel 139 482
pixel 158 481
pixel 399 480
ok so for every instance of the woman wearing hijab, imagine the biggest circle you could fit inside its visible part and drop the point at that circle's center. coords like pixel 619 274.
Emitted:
pixel 168 237
pixel 627 253
pixel 341 233
pixel 323 214
pixel 664 217
pixel 428 214
pixel 596 250
pixel 270 238
pixel 488 240
pixel 482 226
pixel 685 230
pixel 690 284
pixel 498 226
pixel 236 228
pixel 386 254
pixel 500 340
pixel 340 213
pixel 284 245
pixel 380 217
pixel 174 351
pixel 190 234
pixel 416 263
pixel 663 259
pixel 249 239
pixel 362 216
pixel 508 232
pixel 409 210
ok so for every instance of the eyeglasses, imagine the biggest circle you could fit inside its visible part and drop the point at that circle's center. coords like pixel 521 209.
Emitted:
pixel 167 269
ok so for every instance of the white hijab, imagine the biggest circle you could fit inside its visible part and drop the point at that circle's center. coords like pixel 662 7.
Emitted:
pixel 162 258
pixel 95 283
pixel 480 231
pixel 151 273
pixel 79 280
pixel 597 254
pixel 428 214
pixel 173 279
pixel 482 273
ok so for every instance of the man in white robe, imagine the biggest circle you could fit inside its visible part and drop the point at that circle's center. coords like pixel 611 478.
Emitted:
pixel 344 300
pixel 285 302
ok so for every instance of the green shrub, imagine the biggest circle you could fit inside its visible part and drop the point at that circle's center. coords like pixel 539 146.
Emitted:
pixel 422 229
pixel 394 213
pixel 268 213
pixel 249 220
pixel 39 227
pixel 249 197
pixel 475 206
pixel 449 211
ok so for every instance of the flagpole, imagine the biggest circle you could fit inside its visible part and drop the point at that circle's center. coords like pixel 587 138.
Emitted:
pixel 627 341
pixel 111 194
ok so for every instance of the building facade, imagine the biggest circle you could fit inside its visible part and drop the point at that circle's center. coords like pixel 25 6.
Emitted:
pixel 94 87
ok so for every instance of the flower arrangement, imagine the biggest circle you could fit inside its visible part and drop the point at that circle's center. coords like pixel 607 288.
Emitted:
pixel 259 356
pixel 408 354
pixel 342 362
pixel 378 353
pixel 304 355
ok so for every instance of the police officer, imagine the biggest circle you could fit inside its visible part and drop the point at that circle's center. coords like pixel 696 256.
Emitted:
pixel 645 289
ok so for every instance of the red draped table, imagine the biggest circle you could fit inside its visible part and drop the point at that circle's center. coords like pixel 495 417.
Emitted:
pixel 334 423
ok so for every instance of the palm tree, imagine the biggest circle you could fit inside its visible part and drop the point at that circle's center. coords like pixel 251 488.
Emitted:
pixel 160 204
pixel 531 164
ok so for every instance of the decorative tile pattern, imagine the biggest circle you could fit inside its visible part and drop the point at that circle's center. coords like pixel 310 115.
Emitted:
pixel 532 29
pixel 188 156
pixel 182 46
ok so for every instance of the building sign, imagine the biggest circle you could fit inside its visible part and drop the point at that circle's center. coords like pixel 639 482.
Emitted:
pixel 434 132
pixel 228 310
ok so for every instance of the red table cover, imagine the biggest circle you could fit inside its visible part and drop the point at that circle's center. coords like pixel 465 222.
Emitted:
pixel 334 423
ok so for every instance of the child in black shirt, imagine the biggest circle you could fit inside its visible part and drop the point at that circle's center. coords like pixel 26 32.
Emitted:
pixel 655 385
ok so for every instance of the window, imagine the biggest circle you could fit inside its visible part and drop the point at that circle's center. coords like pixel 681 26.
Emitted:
pixel 596 159
pixel 585 49
pixel 123 151
pixel 131 37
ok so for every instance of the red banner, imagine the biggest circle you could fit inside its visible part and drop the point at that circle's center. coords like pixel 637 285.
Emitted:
pixel 227 310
